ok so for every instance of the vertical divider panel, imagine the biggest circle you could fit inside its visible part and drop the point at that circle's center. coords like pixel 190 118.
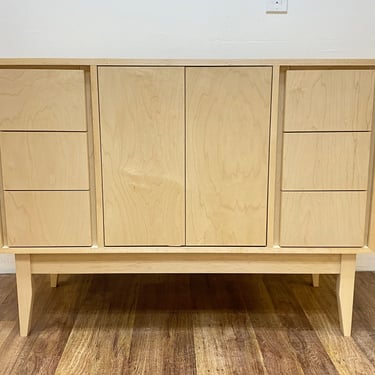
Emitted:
pixel 95 158
pixel 280 108
pixel 370 214
pixel 185 157
pixel 273 157
pixel 3 231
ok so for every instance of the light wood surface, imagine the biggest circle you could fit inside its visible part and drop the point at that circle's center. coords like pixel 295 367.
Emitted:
pixel 97 157
pixel 24 292
pixel 42 99
pixel 345 292
pixel 142 124
pixel 315 280
pixel 227 122
pixel 44 161
pixel 186 250
pixel 326 161
pixel 274 159
pixel 54 277
pixel 327 100
pixel 48 218
pixel 185 263
pixel 323 218
pixel 73 63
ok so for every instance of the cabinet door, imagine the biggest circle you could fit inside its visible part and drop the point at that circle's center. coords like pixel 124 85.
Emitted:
pixel 142 124
pixel 227 122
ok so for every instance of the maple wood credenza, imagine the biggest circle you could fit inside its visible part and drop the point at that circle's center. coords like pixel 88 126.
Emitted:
pixel 194 166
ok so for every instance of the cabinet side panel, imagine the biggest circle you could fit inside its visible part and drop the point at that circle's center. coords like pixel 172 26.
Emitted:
pixel 227 121
pixel 142 127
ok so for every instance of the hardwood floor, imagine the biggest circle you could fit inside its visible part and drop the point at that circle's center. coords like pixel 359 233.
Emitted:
pixel 187 324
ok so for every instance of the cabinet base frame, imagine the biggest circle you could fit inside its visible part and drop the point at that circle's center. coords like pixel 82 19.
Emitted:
pixel 340 264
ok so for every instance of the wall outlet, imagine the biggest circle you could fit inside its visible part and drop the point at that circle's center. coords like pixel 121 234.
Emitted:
pixel 276 6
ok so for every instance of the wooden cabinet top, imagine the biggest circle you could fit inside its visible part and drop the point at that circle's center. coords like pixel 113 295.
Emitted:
pixel 186 62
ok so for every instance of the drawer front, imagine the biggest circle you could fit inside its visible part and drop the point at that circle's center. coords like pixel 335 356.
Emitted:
pixel 41 99
pixel 326 161
pixel 320 219
pixel 325 100
pixel 44 161
pixel 48 218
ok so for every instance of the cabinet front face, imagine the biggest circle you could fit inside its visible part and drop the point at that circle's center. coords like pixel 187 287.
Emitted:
pixel 329 100
pixel 227 125
pixel 44 160
pixel 48 218
pixel 142 130
pixel 42 99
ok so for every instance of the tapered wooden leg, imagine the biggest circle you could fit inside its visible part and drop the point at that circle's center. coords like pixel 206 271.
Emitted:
pixel 54 280
pixel 315 280
pixel 345 292
pixel 24 292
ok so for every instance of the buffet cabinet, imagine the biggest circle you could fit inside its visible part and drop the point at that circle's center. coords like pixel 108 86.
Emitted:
pixel 169 166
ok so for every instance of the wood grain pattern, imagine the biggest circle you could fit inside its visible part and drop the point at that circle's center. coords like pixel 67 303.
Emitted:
pixel 142 124
pixel 86 325
pixel 185 263
pixel 24 292
pixel 227 113
pixel 328 100
pixel 231 331
pixel 48 218
pixel 94 134
pixel 343 351
pixel 326 161
pixel 74 62
pixel 44 161
pixel 42 99
pixel 274 157
pixel 345 290
pixel 187 250
pixel 323 218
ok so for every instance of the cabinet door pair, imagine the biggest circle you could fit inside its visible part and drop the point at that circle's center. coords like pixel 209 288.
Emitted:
pixel 185 155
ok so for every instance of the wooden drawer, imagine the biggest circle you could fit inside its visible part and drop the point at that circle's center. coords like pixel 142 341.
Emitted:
pixel 323 219
pixel 325 100
pixel 48 218
pixel 326 161
pixel 42 99
pixel 44 161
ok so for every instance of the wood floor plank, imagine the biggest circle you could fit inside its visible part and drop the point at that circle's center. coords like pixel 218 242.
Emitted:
pixel 100 339
pixel 224 340
pixel 320 307
pixel 363 332
pixel 310 351
pixel 187 324
pixel 162 341
pixel 15 348
pixel 278 353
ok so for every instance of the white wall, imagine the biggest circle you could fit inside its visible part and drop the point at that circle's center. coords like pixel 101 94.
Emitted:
pixel 186 29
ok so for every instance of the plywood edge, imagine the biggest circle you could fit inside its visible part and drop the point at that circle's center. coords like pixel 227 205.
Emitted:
pixel 184 250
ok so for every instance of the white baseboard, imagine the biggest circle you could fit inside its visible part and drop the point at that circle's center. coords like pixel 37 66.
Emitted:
pixel 365 262
pixel 7 263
